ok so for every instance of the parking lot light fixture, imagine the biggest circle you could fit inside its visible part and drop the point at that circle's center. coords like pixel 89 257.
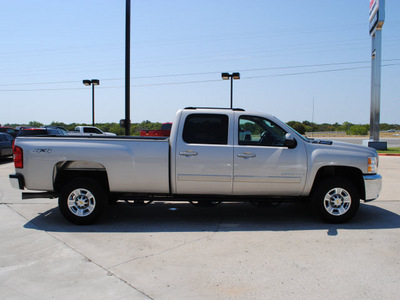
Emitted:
pixel 92 82
pixel 226 76
pixel 87 82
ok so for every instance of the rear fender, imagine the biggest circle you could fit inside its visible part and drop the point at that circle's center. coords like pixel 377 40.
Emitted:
pixel 66 171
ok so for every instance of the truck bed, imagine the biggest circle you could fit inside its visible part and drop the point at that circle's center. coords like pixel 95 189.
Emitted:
pixel 132 164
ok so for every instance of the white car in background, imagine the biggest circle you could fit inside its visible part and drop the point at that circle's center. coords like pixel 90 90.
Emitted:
pixel 89 130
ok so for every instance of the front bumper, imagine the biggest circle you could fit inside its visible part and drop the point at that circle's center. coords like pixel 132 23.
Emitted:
pixel 17 181
pixel 373 186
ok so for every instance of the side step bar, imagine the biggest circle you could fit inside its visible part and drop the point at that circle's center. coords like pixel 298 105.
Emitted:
pixel 26 196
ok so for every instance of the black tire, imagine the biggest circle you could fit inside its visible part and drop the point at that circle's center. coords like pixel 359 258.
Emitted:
pixel 336 200
pixel 205 203
pixel 82 200
pixel 265 203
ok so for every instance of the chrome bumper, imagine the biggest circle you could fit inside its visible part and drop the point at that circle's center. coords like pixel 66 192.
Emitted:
pixel 373 186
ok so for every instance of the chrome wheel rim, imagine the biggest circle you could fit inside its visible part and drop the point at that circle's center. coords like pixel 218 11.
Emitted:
pixel 337 201
pixel 81 202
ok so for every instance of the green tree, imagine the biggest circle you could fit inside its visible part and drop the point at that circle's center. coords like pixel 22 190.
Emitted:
pixel 358 130
pixel 299 127
pixel 118 130
pixel 35 124
pixel 58 124
pixel 310 126
pixel 344 127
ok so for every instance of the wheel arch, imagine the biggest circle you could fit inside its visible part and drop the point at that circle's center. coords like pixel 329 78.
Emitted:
pixel 68 170
pixel 352 174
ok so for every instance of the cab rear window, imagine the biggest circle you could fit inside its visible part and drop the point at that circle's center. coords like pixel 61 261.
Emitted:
pixel 206 129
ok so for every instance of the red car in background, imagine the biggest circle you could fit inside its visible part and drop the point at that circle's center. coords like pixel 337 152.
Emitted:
pixel 164 131
pixel 41 131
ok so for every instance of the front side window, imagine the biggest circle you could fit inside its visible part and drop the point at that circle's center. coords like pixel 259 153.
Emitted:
pixel 258 131
pixel 206 129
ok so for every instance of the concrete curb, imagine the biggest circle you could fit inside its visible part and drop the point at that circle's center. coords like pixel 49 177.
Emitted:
pixel 388 154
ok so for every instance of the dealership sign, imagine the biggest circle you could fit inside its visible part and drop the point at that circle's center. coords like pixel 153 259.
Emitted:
pixel 376 20
pixel 373 8
pixel 376 15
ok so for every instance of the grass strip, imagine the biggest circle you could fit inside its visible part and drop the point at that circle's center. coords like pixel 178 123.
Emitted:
pixel 390 151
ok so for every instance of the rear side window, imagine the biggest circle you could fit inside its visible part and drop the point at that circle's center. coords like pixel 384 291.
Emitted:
pixel 7 130
pixel 206 129
pixel 53 131
pixel 91 130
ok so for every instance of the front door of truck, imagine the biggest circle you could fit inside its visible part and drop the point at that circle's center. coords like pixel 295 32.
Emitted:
pixel 263 165
pixel 204 154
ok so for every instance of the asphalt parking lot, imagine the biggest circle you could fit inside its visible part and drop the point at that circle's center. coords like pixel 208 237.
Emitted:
pixel 178 251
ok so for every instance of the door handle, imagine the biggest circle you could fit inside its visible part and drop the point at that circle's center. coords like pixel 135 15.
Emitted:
pixel 246 155
pixel 188 153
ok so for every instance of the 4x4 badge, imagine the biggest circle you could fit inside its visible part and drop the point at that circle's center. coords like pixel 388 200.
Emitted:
pixel 38 150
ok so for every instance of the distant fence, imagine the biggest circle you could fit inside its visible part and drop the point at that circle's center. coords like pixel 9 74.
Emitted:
pixel 343 134
pixel 326 133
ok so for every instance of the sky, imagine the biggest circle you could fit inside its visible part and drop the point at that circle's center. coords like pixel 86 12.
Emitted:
pixel 298 60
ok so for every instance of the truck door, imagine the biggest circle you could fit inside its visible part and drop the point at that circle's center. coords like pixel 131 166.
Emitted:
pixel 263 165
pixel 204 154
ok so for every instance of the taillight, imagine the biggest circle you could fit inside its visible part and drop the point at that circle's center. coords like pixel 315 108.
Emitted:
pixel 18 157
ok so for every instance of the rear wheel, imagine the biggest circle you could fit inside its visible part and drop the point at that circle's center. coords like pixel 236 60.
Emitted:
pixel 336 200
pixel 82 200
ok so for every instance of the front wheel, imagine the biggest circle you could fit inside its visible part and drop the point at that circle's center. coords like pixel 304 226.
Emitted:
pixel 336 200
pixel 82 200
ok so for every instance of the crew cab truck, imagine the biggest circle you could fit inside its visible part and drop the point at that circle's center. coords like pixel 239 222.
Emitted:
pixel 212 155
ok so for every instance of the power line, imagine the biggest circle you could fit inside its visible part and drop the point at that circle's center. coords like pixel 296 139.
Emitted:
pixel 214 80
pixel 264 76
pixel 203 73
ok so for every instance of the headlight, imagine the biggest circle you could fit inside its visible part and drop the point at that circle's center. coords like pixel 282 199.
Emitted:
pixel 372 164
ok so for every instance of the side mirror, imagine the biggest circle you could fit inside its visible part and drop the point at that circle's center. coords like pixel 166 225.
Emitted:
pixel 290 142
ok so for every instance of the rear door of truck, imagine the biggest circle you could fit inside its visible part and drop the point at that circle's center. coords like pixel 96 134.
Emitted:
pixel 204 153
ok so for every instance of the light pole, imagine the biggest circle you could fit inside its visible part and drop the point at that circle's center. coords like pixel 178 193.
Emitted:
pixel 92 82
pixel 127 123
pixel 226 76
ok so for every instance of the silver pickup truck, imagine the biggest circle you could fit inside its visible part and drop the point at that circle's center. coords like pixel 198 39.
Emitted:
pixel 212 155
